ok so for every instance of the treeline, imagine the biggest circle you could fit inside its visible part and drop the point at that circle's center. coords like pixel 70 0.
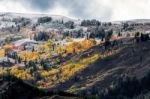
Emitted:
pixel 69 24
pixel 95 22
pixel 21 21
pixel 96 33
pixel 140 37
pixel 90 23
pixel 44 20
pixel 74 34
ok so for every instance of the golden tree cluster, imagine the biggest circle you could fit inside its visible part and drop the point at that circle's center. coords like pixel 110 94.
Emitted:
pixel 29 56
pixel 76 47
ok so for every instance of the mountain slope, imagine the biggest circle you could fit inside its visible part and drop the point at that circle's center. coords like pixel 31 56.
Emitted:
pixel 131 60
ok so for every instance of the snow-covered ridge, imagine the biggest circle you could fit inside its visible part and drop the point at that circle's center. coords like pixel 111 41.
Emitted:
pixel 132 21
pixel 34 16
pixel 7 19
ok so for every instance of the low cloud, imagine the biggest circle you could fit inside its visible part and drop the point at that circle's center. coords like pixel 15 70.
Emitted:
pixel 105 10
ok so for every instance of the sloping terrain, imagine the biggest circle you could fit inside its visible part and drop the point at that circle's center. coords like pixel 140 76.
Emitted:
pixel 12 87
pixel 132 60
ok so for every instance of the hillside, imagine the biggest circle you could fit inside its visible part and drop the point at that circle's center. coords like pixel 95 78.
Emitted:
pixel 99 69
pixel 54 53
pixel 13 87
pixel 131 60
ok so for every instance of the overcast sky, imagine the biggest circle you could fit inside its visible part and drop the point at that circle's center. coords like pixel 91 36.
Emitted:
pixel 105 10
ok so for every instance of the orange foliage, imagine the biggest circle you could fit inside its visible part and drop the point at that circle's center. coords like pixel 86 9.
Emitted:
pixel 2 53
pixel 77 47
pixel 7 47
pixel 28 56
